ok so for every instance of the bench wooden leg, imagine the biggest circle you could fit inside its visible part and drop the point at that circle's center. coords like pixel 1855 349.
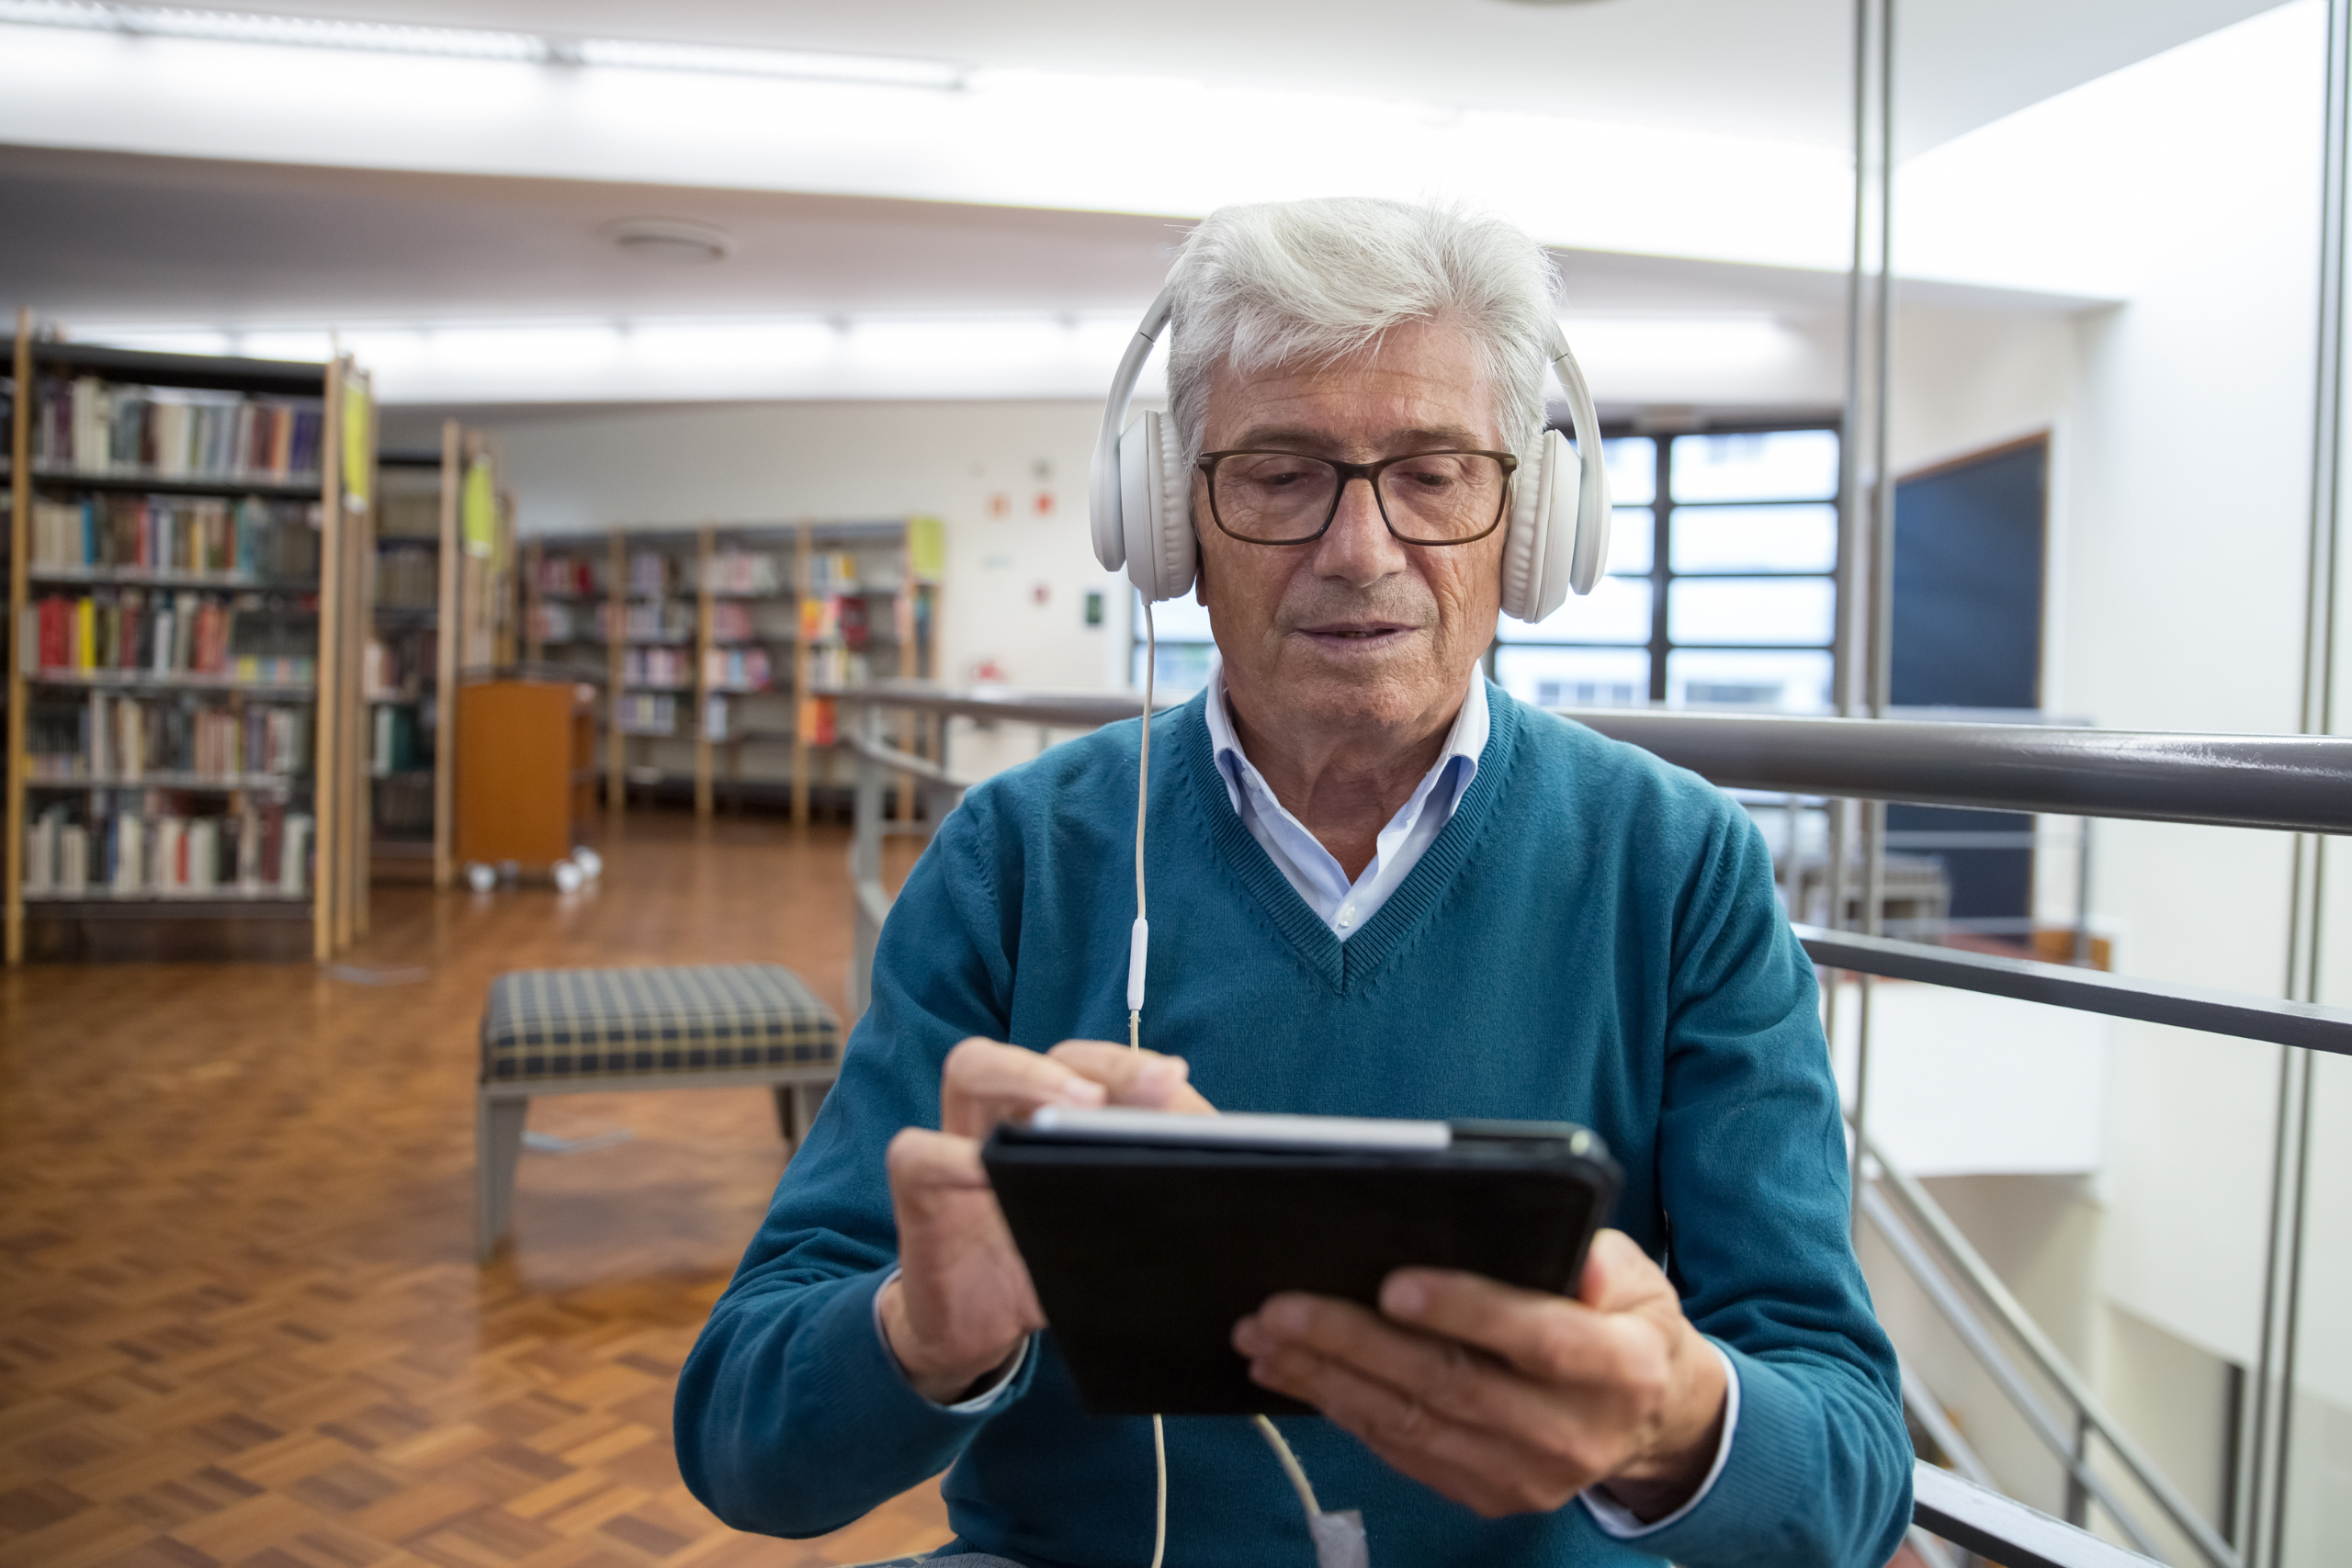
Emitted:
pixel 498 1145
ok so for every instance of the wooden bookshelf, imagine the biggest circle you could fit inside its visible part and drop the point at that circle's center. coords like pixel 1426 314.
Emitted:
pixel 743 618
pixel 212 517
pixel 414 657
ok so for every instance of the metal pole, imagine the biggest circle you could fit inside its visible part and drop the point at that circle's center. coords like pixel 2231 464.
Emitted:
pixel 1837 819
pixel 2291 1161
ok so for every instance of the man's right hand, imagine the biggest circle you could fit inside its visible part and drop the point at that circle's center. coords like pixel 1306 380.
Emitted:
pixel 962 1302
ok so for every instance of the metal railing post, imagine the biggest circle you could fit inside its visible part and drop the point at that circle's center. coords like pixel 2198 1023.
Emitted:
pixel 865 861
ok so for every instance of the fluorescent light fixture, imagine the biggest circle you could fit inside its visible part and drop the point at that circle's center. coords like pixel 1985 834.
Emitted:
pixel 690 360
pixel 479 43
pixel 790 63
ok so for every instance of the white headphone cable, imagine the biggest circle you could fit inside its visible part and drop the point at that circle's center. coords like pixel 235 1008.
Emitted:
pixel 1137 943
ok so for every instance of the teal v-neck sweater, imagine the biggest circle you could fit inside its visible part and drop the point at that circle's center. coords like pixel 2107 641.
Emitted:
pixel 1592 938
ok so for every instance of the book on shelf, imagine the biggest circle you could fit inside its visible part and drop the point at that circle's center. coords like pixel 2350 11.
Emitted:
pixel 242 636
pixel 652 573
pixel 92 426
pixel 814 721
pixel 731 621
pixel 714 718
pixel 408 576
pixel 745 572
pixel 737 669
pixel 663 620
pixel 834 665
pixel 264 847
pixel 671 668
pixel 566 576
pixel 832 572
pixel 555 621
pixel 646 713
pixel 268 540
pixel 109 736
pixel 395 746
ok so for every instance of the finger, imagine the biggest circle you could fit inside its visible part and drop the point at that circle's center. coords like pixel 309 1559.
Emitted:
pixel 1619 1276
pixel 1487 1471
pixel 984 1082
pixel 1441 1375
pixel 1131 1077
pixel 918 1159
pixel 1547 1336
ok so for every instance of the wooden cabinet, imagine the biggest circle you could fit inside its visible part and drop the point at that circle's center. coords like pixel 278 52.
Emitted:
pixel 524 749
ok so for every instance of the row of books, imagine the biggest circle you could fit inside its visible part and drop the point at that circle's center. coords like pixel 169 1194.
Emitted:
pixel 247 635
pixel 262 539
pixel 117 739
pixel 836 617
pixel 836 666
pixel 408 577
pixel 566 576
pixel 92 426
pixel 645 713
pixel 744 571
pixel 668 667
pixel 403 805
pixel 263 848
pixel 397 742
pixel 399 666
pixel 737 669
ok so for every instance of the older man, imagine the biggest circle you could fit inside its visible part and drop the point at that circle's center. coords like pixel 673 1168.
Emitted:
pixel 1380 886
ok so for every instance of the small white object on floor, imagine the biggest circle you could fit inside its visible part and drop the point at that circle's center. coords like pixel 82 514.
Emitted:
pixel 590 864
pixel 482 878
pixel 567 877
pixel 550 1144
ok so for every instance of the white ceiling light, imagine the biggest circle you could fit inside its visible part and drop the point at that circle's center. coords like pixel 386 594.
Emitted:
pixel 479 43
pixel 675 241
pixel 788 63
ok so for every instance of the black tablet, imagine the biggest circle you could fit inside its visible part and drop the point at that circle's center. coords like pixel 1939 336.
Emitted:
pixel 1150 1234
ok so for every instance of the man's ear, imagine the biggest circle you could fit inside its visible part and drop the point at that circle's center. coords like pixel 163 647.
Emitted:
pixel 1200 565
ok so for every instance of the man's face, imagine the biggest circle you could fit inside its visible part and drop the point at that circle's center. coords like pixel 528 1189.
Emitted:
pixel 1356 629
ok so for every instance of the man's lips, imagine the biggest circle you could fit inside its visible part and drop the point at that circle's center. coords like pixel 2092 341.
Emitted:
pixel 1357 631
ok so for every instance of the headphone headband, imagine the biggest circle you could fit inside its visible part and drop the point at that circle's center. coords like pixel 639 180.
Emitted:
pixel 1550 584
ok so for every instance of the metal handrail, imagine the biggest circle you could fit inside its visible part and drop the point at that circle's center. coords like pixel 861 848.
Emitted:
pixel 1929 1216
pixel 1985 1521
pixel 2292 783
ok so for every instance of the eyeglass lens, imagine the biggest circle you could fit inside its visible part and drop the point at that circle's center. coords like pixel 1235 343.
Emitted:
pixel 1277 498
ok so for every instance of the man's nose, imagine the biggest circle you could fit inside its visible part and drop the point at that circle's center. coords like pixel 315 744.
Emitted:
pixel 1358 548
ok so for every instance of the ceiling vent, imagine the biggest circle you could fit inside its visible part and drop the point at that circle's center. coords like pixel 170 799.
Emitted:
pixel 673 241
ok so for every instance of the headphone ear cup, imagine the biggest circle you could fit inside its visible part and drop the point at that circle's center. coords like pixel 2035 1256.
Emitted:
pixel 1528 540
pixel 1156 508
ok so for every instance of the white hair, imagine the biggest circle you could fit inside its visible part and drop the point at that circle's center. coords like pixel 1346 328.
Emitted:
pixel 1308 283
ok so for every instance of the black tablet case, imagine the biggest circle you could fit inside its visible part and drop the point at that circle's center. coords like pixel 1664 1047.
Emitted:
pixel 1145 1255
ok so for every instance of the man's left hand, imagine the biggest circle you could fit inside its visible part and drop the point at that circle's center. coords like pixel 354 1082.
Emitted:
pixel 1511 1401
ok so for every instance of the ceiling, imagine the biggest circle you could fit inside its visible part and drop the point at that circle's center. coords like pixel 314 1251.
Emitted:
pixel 1774 69
pixel 118 237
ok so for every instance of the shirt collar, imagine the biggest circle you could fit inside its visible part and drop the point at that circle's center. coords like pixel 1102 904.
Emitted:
pixel 1467 741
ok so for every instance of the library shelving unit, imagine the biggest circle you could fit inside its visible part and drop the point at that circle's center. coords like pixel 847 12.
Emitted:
pixel 187 559
pixel 709 638
pixel 436 611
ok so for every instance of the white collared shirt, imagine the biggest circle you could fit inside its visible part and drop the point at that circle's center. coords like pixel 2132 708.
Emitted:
pixel 1347 907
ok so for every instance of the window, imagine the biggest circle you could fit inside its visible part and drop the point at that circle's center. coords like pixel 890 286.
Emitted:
pixel 1719 590
pixel 1719 593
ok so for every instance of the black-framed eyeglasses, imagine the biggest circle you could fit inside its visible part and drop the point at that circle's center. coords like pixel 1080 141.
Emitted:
pixel 1426 498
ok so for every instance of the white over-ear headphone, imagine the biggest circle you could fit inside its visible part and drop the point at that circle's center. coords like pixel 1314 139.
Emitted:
pixel 1142 494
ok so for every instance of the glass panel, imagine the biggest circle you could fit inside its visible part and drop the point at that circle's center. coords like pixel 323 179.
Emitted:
pixel 1184 667
pixel 1632 532
pixel 1755 538
pixel 1778 465
pixel 1632 461
pixel 1618 610
pixel 1575 677
pixel 1793 682
pixel 1176 620
pixel 1750 609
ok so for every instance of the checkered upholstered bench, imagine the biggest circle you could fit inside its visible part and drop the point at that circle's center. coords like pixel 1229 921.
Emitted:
pixel 602 1030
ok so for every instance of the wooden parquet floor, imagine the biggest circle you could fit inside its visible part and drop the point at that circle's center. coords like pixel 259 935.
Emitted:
pixel 240 1319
